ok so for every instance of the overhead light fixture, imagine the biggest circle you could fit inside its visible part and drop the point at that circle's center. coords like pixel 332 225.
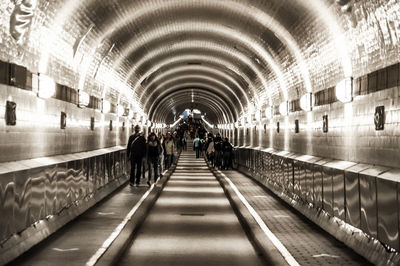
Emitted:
pixel 344 90
pixel 47 86
pixel 83 99
pixel 283 108
pixel 306 102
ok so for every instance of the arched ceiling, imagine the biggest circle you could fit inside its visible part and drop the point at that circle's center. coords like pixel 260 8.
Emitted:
pixel 235 55
pixel 192 97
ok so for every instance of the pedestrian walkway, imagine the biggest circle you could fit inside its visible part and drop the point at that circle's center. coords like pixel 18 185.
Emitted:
pixel 305 241
pixel 192 223
pixel 75 243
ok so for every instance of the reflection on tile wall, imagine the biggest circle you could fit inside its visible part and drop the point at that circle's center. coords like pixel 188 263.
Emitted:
pixel 37 131
pixel 351 135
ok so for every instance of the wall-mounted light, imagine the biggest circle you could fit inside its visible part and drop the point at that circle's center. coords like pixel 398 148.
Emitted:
pixel 106 106
pixel 126 112
pixel 306 102
pixel 344 90
pixel 83 99
pixel 379 118
pixel 121 110
pixel 268 112
pixel 63 120
pixel 237 124
pixel 283 108
pixel 325 123
pixel 242 122
pixel 148 123
pixel 47 86
pixel 296 126
pixel 11 117
pixel 250 108
pixel 258 115
pixel 249 118
pixel 92 123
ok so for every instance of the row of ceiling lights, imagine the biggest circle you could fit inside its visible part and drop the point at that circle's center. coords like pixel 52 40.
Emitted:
pixel 46 88
pixel 343 91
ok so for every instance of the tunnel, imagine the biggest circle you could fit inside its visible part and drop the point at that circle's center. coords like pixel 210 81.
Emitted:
pixel 306 92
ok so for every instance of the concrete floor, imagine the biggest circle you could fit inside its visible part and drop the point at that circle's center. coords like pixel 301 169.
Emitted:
pixel 192 223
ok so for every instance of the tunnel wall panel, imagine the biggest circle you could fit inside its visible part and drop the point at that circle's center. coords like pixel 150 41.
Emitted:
pixel 37 132
pixel 388 227
pixel 327 189
pixel 352 185
pixel 351 133
pixel 369 217
pixel 31 194
pixel 363 196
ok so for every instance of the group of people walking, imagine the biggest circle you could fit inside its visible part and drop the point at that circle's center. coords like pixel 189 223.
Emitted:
pixel 160 151
pixel 218 150
pixel 156 154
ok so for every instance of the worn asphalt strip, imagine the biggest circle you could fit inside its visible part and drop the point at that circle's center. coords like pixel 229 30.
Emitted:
pixel 106 244
pixel 278 244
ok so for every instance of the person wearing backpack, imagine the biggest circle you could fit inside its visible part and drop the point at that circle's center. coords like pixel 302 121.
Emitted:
pixel 210 150
pixel 136 151
pixel 169 149
pixel 196 146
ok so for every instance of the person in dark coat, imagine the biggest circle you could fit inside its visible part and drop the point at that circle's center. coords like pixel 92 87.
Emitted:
pixel 153 153
pixel 218 150
pixel 226 154
pixel 136 151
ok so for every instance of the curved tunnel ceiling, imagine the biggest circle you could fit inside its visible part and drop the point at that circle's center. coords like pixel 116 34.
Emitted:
pixel 240 55
pixel 192 96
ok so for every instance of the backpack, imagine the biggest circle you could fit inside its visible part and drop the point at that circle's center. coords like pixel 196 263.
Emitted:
pixel 138 147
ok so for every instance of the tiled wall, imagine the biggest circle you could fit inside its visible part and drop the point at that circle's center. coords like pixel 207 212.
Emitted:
pixel 37 132
pixel 351 134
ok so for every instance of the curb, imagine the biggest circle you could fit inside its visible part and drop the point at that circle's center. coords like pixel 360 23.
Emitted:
pixel 124 240
pixel 362 244
pixel 261 243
